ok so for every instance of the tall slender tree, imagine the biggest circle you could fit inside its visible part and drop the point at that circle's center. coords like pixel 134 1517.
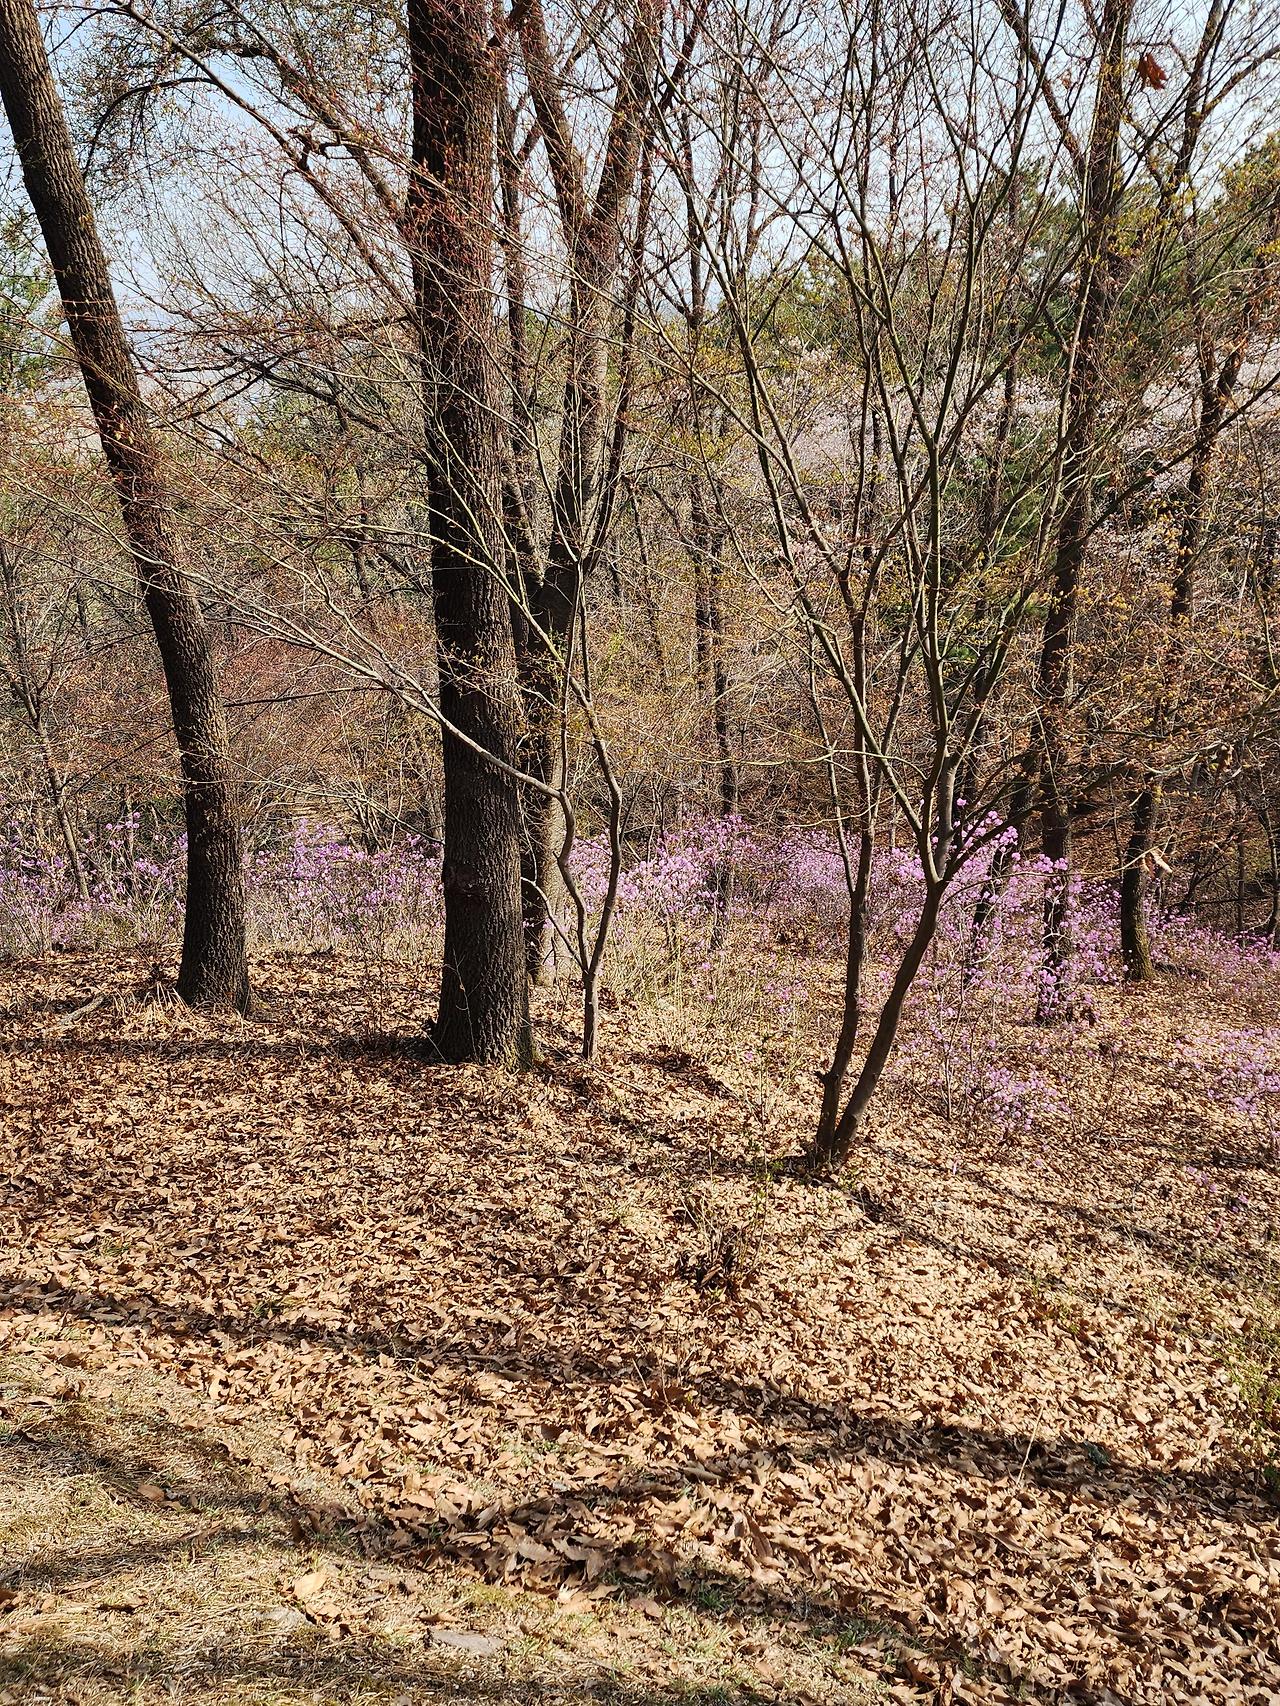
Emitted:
pixel 1102 193
pixel 592 227
pixel 1219 373
pixel 448 225
pixel 214 968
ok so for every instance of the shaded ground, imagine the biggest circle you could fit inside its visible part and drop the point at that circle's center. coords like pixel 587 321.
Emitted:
pixel 328 1376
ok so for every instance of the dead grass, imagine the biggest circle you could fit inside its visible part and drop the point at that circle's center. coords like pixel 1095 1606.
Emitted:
pixel 329 1376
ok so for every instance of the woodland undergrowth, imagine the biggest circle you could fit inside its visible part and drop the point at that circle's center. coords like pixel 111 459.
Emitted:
pixel 329 1374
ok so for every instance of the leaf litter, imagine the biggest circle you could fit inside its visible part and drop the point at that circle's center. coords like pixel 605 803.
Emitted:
pixel 557 1375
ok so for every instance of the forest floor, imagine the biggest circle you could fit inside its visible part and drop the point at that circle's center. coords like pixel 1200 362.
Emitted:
pixel 327 1376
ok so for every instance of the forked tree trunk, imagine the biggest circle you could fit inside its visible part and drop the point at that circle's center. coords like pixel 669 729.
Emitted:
pixel 834 1138
pixel 214 970
pixel 592 233
pixel 484 990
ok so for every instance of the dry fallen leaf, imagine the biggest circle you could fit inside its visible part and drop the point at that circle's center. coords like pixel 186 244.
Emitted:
pixel 286 1618
pixel 307 1586
pixel 1001 1418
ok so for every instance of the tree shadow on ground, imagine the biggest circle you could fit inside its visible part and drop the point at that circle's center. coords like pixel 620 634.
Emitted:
pixel 165 1048
pixel 378 1673
pixel 59 1445
pixel 823 1428
pixel 1184 1255
pixel 1189 1255
pixel 796 1426
pixel 235 1659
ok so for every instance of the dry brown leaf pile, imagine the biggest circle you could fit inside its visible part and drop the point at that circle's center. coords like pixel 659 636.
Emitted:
pixel 981 1424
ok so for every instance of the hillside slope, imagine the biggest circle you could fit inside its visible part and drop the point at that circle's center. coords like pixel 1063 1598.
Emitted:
pixel 326 1375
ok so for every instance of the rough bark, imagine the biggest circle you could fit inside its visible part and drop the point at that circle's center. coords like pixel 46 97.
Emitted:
pixel 1135 941
pixel 1055 675
pixel 214 970
pixel 592 234
pixel 520 486
pixel 484 994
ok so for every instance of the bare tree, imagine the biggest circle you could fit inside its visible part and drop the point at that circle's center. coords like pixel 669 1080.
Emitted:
pixel 484 1002
pixel 214 968
pixel 1101 198
pixel 592 230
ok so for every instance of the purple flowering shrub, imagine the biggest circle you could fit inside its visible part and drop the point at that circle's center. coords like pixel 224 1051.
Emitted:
pixel 1241 963
pixel 795 881
pixel 721 925
pixel 38 905
pixel 966 1043
pixel 317 890
pixel 134 896
pixel 1243 1070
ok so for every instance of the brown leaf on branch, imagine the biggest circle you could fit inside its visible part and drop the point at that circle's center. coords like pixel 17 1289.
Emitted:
pixel 1152 73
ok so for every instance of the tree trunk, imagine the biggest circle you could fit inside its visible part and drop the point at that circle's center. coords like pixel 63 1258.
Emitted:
pixel 1240 825
pixel 484 992
pixel 1103 189
pixel 833 1142
pixel 1135 944
pixel 214 970
pixel 707 541
pixel 592 233
pixel 997 878
pixel 555 603
pixel 1134 947
pixel 706 549
pixel 851 1008
pixel 1272 925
